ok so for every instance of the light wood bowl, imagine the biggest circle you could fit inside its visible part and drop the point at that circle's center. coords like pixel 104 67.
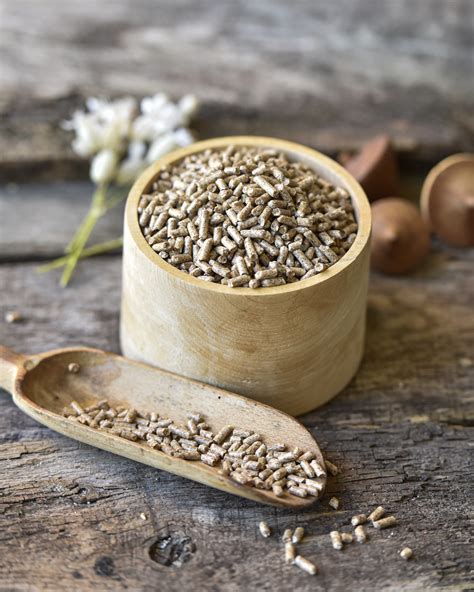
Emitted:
pixel 293 347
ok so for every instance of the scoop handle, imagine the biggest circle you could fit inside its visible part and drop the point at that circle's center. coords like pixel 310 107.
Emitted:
pixel 9 364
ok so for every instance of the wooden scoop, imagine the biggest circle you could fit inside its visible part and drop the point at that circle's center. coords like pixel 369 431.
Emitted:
pixel 42 386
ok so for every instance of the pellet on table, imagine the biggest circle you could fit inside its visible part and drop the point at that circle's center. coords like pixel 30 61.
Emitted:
pixel 333 470
pixel 336 539
pixel 298 535
pixel 385 522
pixel 290 552
pixel 334 503
pixel 376 514
pixel 306 565
pixel 360 534
pixel 358 519
pixel 406 553
pixel 346 537
pixel 264 529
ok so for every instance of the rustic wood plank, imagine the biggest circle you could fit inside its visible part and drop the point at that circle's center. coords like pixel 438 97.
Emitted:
pixel 400 434
pixel 327 74
pixel 29 231
pixel 39 219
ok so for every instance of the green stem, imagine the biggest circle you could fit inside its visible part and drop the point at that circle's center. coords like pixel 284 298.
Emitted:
pixel 98 249
pixel 118 198
pixel 96 211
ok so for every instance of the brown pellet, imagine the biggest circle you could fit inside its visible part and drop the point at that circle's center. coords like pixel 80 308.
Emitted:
pixel 306 565
pixel 376 514
pixel 360 534
pixel 358 519
pixel 298 535
pixel 336 539
pixel 13 316
pixel 333 470
pixel 290 552
pixel 385 522
pixel 264 529
pixel 406 553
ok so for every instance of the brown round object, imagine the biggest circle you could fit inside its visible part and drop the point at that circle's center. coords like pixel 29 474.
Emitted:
pixel 447 200
pixel 375 167
pixel 400 238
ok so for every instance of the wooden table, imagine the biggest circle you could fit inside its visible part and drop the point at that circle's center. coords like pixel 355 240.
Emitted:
pixel 401 433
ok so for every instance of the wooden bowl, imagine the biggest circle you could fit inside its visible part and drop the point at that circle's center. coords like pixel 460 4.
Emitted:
pixel 293 347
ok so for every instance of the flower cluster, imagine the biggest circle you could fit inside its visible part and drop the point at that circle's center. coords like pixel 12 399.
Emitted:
pixel 122 137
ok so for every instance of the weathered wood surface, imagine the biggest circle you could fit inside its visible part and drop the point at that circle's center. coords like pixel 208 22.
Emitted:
pixel 29 227
pixel 327 74
pixel 401 434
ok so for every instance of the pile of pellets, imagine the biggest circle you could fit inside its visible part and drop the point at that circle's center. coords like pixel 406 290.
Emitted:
pixel 239 454
pixel 246 217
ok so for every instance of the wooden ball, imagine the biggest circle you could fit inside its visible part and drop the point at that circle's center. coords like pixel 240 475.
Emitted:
pixel 400 238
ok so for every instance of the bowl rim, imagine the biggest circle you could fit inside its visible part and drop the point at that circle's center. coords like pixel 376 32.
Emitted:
pixel 358 197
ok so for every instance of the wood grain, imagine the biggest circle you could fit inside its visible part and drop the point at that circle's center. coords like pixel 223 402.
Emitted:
pixel 326 74
pixel 30 230
pixel 400 434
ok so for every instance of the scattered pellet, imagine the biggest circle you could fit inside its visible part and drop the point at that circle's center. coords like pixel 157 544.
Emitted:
pixel 358 519
pixel 331 467
pixel 305 564
pixel 346 537
pixel 287 534
pixel 297 535
pixel 336 539
pixel 376 514
pixel 264 529
pixel 334 503
pixel 406 553
pixel 143 516
pixel 385 522
pixel 290 552
pixel 13 316
pixel 360 534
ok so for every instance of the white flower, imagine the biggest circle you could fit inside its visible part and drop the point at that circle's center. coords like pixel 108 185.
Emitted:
pixel 161 146
pixel 143 128
pixel 104 166
pixel 183 137
pixel 87 140
pixel 124 140
pixel 106 125
pixel 133 164
pixel 152 105
pixel 188 105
